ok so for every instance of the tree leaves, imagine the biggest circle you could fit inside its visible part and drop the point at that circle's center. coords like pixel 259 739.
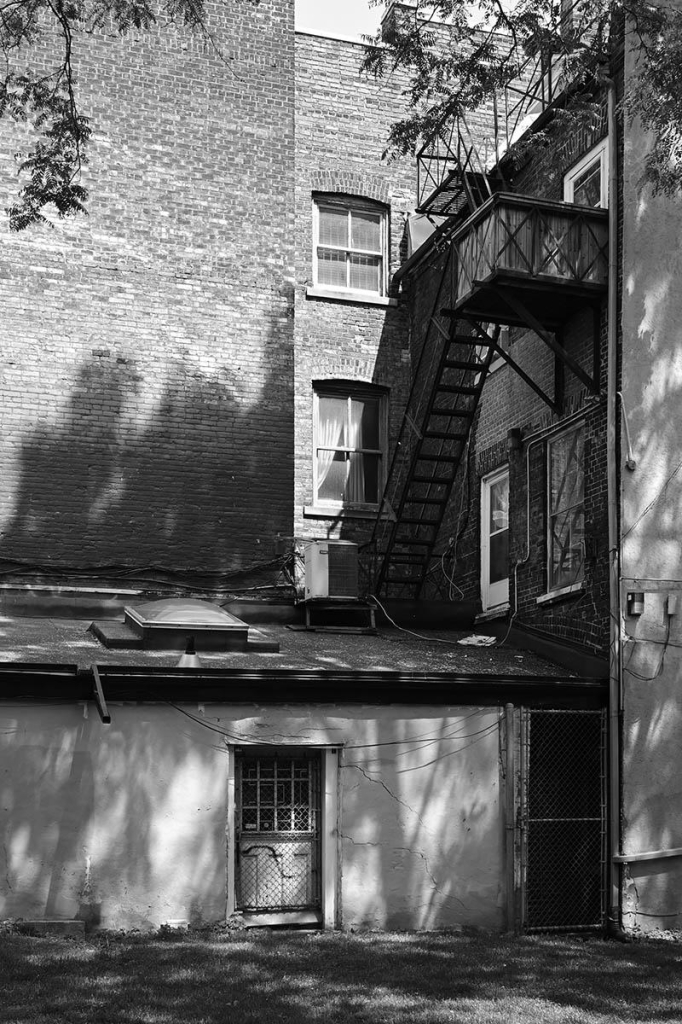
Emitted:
pixel 459 56
pixel 47 102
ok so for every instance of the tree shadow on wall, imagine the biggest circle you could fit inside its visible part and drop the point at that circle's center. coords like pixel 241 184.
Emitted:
pixel 183 474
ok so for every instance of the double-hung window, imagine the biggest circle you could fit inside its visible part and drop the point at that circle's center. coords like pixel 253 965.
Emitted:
pixel 350 245
pixel 566 510
pixel 349 445
pixel 586 183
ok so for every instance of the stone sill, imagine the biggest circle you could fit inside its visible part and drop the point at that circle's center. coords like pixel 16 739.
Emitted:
pixel 339 295
pixel 500 612
pixel 319 512
pixel 553 596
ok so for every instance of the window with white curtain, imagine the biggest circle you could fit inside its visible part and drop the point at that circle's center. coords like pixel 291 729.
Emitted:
pixel 350 244
pixel 349 445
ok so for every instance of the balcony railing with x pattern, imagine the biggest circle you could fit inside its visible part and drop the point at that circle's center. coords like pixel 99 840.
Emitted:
pixel 522 235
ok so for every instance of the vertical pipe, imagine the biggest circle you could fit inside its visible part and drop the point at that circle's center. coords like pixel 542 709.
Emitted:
pixel 615 654
pixel 510 817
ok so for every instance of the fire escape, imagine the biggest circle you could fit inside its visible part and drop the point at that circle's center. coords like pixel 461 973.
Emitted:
pixel 502 260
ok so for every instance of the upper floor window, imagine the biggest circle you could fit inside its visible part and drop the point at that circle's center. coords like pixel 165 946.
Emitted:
pixel 349 431
pixel 350 245
pixel 566 509
pixel 587 182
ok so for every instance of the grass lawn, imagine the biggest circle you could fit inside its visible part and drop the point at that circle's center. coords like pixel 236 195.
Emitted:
pixel 326 978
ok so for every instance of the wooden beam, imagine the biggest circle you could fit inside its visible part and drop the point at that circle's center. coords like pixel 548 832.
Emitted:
pixel 99 697
pixel 534 324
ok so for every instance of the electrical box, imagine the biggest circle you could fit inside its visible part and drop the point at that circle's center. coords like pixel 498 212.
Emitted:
pixel 331 570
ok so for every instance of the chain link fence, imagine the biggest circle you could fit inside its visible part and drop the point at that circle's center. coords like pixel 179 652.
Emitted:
pixel 564 820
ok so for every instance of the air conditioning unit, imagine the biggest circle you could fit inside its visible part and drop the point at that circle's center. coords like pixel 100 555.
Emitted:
pixel 331 570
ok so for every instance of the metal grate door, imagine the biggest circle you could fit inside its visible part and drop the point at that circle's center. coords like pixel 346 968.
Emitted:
pixel 563 819
pixel 278 833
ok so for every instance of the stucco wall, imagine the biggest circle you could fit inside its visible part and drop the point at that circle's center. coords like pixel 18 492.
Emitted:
pixel 127 824
pixel 652 554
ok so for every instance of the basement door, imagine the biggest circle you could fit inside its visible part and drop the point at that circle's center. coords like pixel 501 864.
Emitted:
pixel 278 815
pixel 563 820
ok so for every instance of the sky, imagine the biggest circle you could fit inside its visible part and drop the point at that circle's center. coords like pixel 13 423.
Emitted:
pixel 347 18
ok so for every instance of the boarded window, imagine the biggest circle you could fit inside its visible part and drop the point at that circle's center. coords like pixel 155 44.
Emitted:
pixel 566 512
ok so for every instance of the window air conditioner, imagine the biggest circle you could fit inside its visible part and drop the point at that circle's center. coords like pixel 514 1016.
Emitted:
pixel 331 570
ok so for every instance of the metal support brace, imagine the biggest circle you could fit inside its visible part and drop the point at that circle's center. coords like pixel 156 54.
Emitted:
pixel 99 697
pixel 440 328
pixel 516 368
pixel 534 324
pixel 411 423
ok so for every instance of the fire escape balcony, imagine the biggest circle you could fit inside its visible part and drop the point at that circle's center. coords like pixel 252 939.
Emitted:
pixel 525 261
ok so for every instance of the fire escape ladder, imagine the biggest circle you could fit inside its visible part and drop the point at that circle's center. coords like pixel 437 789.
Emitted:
pixel 432 443
pixel 453 175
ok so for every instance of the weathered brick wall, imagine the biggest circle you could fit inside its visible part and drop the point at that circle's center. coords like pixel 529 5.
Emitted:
pixel 341 126
pixel 146 367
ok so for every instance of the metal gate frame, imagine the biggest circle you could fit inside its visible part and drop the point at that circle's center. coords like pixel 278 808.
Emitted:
pixel 524 824
pixel 282 844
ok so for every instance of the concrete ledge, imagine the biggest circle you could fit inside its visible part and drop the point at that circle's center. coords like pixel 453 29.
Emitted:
pixel 70 929
pixel 572 657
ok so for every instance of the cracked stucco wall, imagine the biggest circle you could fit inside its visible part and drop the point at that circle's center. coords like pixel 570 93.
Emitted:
pixel 125 824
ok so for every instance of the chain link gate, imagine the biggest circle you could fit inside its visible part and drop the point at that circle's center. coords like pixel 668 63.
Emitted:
pixel 563 819
pixel 278 833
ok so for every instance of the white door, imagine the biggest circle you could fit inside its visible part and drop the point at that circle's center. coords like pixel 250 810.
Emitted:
pixel 495 539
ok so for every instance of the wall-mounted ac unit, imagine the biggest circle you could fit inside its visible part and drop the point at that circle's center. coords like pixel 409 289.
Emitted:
pixel 331 570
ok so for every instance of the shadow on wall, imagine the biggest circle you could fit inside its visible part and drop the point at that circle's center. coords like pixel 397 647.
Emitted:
pixel 421 829
pixel 125 829
pixel 651 562
pixel 186 473
pixel 124 826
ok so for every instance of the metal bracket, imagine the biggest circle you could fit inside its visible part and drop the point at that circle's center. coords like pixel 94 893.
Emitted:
pixel 99 697
pixel 534 324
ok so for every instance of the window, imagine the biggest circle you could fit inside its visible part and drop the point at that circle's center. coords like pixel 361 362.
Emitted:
pixel 566 513
pixel 350 245
pixel 349 432
pixel 587 183
pixel 495 539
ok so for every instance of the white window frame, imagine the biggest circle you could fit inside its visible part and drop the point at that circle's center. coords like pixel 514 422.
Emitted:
pixel 351 390
pixel 554 586
pixel 493 595
pixel 351 204
pixel 598 154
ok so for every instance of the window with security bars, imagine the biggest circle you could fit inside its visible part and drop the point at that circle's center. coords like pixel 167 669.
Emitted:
pixel 277 795
pixel 350 245
pixel 566 511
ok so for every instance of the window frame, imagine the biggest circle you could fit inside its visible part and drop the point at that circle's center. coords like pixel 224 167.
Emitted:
pixel 350 390
pixel 351 204
pixel 597 154
pixel 493 595
pixel 553 585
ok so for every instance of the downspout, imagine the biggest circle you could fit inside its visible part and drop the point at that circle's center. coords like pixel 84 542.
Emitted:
pixel 614 921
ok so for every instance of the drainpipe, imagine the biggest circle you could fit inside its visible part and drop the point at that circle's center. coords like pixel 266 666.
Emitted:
pixel 614 923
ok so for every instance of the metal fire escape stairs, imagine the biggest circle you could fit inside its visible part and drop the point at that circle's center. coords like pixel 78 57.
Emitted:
pixel 433 440
pixel 446 388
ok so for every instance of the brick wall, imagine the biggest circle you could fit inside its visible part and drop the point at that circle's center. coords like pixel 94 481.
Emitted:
pixel 147 350
pixel 342 123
